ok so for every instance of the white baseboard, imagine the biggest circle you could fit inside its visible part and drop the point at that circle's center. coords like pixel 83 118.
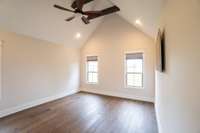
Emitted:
pixel 19 108
pixel 119 94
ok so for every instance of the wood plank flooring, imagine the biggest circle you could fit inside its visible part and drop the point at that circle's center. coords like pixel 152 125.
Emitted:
pixel 84 113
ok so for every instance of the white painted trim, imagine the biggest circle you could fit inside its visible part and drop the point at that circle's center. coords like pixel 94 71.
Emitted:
pixel 86 70
pixel 157 118
pixel 19 108
pixel 143 66
pixel 119 94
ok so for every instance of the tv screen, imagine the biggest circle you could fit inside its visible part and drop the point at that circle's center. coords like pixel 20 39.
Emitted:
pixel 160 51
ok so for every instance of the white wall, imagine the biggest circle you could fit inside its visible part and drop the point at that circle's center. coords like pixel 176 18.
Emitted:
pixel 178 90
pixel 35 71
pixel 109 42
pixel 1 44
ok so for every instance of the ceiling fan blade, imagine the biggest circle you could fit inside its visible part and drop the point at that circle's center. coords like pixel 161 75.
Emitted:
pixel 95 14
pixel 63 8
pixel 70 18
pixel 110 10
pixel 74 5
pixel 85 20
pixel 92 13
pixel 79 4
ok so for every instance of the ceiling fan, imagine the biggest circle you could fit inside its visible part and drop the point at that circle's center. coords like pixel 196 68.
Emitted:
pixel 77 5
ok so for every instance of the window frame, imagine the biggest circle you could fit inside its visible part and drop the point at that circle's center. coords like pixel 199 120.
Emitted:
pixel 87 71
pixel 126 73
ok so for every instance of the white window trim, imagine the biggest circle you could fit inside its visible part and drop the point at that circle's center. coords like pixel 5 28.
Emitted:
pixel 125 70
pixel 86 71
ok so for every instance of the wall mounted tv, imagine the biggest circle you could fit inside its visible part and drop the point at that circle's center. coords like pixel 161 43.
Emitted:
pixel 160 51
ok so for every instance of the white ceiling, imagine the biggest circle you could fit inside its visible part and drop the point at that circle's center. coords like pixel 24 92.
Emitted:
pixel 38 18
pixel 148 11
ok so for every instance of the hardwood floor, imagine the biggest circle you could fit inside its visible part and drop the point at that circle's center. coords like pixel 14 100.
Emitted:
pixel 84 113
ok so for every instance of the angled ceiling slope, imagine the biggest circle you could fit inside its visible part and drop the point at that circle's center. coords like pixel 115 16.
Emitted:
pixel 147 11
pixel 38 18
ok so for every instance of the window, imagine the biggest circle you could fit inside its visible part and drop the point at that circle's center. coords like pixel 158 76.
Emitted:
pixel 134 70
pixel 92 69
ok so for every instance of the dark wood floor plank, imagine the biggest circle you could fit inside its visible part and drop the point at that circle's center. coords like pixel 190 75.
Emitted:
pixel 84 113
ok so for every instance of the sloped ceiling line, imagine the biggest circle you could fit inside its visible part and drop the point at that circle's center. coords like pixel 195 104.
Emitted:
pixel 40 20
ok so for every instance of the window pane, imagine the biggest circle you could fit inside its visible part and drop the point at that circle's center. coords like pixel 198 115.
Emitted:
pixel 134 80
pixel 135 65
pixel 92 77
pixel 92 66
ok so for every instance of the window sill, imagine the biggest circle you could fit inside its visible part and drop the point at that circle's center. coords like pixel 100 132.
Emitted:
pixel 91 83
pixel 133 87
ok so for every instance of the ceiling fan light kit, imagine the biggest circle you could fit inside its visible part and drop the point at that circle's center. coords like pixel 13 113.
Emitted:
pixel 77 6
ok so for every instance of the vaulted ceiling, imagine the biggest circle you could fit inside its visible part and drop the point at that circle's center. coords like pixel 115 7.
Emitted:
pixel 38 18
